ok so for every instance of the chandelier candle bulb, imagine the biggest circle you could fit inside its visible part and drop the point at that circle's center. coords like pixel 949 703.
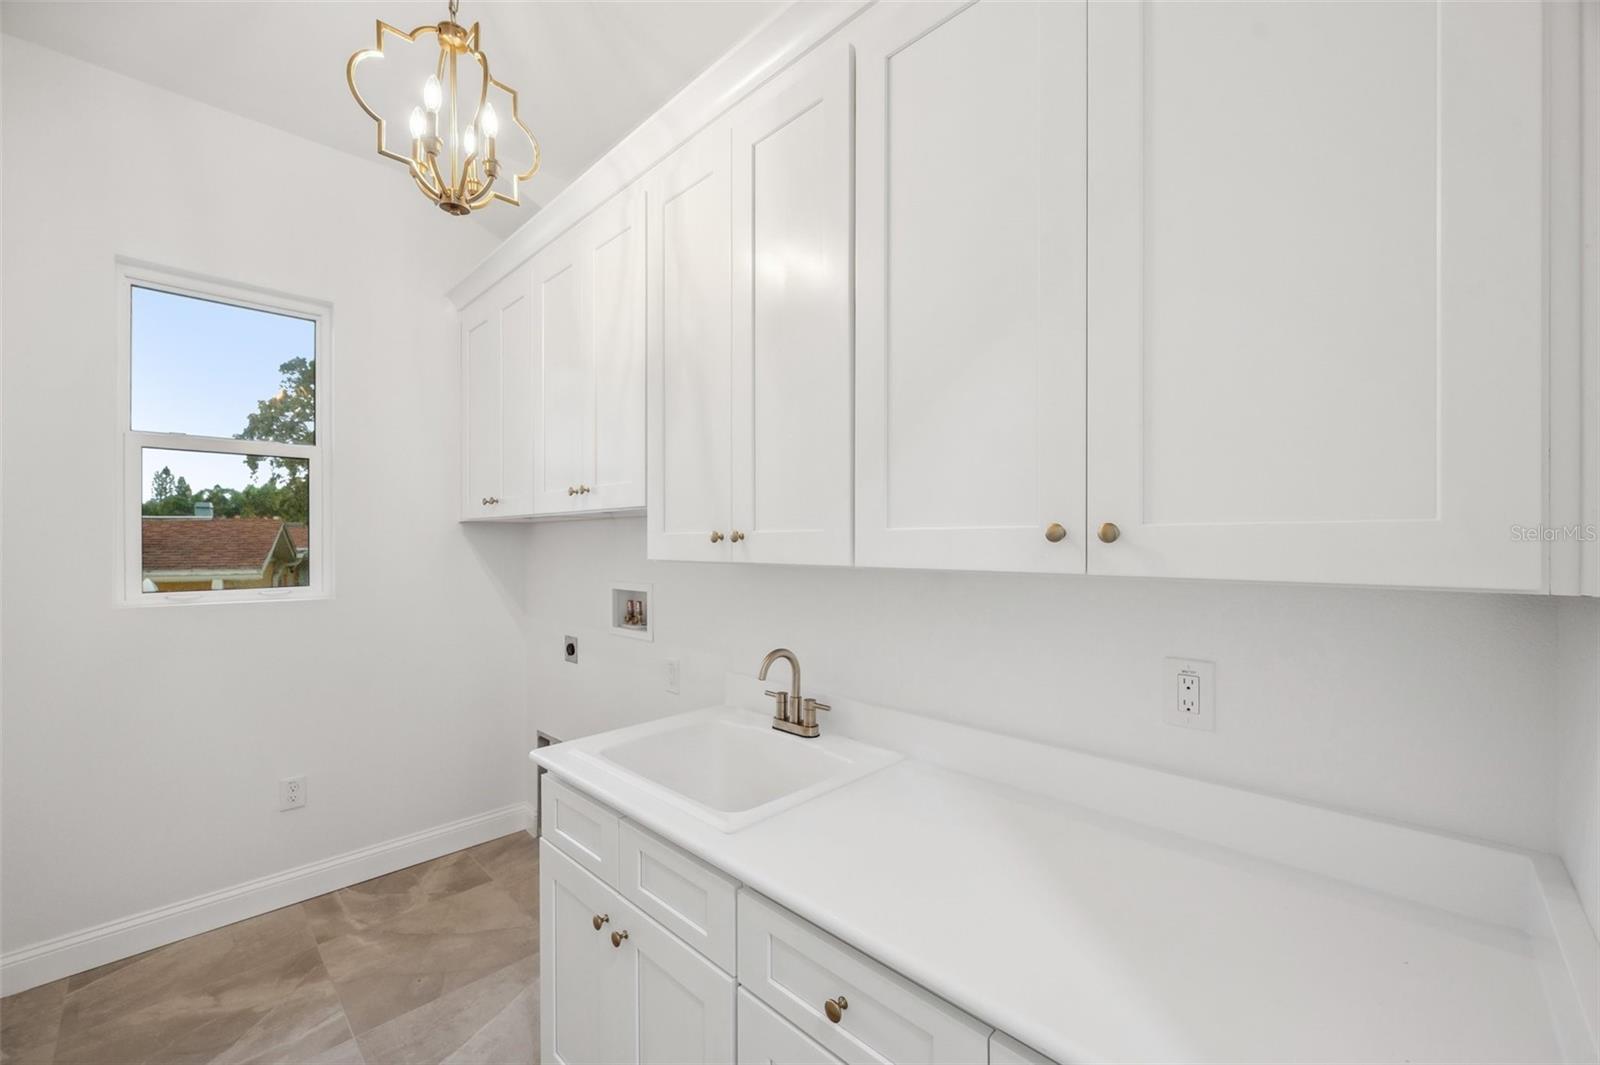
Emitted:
pixel 491 128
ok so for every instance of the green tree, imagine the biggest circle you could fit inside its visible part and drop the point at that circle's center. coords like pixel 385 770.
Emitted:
pixel 225 502
pixel 168 497
pixel 288 417
pixel 161 485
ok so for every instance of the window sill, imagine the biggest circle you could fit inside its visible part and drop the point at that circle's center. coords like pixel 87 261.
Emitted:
pixel 160 600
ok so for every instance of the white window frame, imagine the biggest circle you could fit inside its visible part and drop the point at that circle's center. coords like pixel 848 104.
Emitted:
pixel 132 274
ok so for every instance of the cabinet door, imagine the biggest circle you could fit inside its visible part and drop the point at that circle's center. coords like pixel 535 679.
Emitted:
pixel 673 1005
pixel 970 286
pixel 793 371
pixel 767 1039
pixel 562 389
pixel 579 973
pixel 1316 342
pixel 613 247
pixel 688 351
pixel 497 443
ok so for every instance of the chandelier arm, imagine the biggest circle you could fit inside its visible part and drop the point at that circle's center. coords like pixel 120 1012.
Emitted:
pixel 420 176
pixel 484 195
pixel 468 170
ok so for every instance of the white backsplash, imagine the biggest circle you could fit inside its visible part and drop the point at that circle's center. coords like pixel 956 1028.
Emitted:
pixel 1437 709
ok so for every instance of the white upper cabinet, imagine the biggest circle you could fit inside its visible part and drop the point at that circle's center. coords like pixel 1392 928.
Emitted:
pixel 749 329
pixel 588 359
pixel 793 371
pixel 1316 258
pixel 970 286
pixel 615 247
pixel 561 379
pixel 689 344
pixel 496 402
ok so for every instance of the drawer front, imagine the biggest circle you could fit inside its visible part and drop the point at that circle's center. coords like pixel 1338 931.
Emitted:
pixel 585 830
pixel 767 1039
pixel 1004 1050
pixel 683 893
pixel 796 968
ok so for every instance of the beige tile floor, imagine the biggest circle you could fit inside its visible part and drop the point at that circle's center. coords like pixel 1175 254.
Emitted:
pixel 435 963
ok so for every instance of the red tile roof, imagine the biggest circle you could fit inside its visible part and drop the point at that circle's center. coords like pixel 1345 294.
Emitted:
pixel 197 544
pixel 299 535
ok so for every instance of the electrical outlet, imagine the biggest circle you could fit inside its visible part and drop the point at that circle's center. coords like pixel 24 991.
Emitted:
pixel 1190 692
pixel 674 674
pixel 291 793
pixel 570 648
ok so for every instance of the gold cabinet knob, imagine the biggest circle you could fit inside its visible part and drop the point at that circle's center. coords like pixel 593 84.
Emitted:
pixel 1056 532
pixel 600 919
pixel 835 1007
pixel 1109 533
pixel 716 537
pixel 571 491
pixel 584 489
pixel 736 536
pixel 617 938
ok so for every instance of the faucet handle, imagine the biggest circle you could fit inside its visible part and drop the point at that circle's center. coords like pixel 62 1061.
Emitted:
pixel 808 713
pixel 782 699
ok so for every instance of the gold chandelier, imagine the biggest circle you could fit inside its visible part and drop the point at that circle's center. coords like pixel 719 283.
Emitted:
pixel 455 165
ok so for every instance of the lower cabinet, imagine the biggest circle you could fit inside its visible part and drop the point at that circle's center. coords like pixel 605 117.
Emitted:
pixel 614 986
pixel 855 1007
pixel 767 1039
pixel 639 951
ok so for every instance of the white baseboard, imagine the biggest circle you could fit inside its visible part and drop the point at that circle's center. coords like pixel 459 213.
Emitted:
pixel 76 951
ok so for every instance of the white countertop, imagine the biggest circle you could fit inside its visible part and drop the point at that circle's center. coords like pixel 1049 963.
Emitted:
pixel 1095 938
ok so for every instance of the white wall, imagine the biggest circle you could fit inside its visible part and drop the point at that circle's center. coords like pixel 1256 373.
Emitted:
pixel 1578 768
pixel 1431 708
pixel 143 746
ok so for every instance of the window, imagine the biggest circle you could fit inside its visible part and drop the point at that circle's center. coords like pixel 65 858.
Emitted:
pixel 225 428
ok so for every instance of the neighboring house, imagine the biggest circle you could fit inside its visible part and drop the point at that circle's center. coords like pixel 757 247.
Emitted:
pixel 300 536
pixel 202 553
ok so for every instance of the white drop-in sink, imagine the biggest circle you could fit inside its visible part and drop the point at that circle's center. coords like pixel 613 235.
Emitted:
pixel 729 767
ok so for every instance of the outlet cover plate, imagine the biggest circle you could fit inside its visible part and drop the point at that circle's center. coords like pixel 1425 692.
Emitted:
pixel 569 648
pixel 291 793
pixel 1189 694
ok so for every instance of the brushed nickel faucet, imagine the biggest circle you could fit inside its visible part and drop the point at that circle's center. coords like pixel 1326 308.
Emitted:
pixel 794 715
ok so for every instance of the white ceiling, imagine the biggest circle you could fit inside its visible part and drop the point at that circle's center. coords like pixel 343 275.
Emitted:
pixel 587 72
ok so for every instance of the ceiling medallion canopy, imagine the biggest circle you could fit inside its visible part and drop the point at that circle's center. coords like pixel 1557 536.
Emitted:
pixel 455 132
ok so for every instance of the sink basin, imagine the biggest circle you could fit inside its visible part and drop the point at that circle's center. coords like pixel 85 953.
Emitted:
pixel 729 767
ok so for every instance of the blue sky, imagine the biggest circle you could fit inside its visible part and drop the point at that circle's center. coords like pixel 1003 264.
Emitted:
pixel 200 367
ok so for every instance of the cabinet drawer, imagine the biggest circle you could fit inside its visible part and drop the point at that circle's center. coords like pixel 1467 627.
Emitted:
pixel 689 897
pixel 767 1039
pixel 581 827
pixel 795 968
